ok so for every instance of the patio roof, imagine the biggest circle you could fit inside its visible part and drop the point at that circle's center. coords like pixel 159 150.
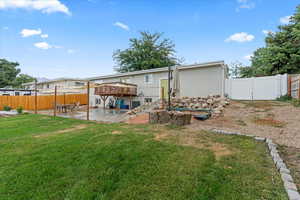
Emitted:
pixel 117 89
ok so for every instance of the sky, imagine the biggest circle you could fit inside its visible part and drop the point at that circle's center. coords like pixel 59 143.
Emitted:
pixel 76 38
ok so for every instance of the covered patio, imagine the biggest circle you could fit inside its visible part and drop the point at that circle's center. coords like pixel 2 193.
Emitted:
pixel 119 91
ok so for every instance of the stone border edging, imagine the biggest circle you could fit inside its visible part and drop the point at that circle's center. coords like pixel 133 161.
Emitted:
pixel 285 173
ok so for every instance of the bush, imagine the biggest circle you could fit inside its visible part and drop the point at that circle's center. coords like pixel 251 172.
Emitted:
pixel 20 110
pixel 296 102
pixel 284 98
pixel 6 108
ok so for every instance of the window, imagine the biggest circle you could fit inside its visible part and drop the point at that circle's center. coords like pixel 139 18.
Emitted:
pixel 47 86
pixel 17 93
pixel 148 78
pixel 79 83
pixel 148 100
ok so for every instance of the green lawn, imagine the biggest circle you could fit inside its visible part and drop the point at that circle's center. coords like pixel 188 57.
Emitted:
pixel 119 161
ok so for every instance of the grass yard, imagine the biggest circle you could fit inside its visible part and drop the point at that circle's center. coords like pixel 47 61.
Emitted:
pixel 46 158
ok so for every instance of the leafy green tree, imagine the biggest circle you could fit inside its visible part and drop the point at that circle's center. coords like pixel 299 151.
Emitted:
pixel 10 74
pixel 238 70
pixel 282 51
pixel 148 52
pixel 22 78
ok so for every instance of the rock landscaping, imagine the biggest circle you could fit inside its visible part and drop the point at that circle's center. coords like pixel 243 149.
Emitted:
pixel 215 104
pixel 172 117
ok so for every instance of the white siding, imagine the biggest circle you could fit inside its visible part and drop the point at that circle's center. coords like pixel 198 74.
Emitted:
pixel 194 82
pixel 201 82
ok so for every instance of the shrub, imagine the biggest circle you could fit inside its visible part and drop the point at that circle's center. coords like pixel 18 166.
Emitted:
pixel 20 110
pixel 6 108
pixel 296 102
pixel 284 98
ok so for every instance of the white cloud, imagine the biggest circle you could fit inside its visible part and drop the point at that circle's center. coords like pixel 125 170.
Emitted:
pixel 44 36
pixel 122 26
pixel 71 51
pixel 248 57
pixel 45 6
pixel 266 32
pixel 285 20
pixel 240 37
pixel 43 45
pixel 245 4
pixel 30 32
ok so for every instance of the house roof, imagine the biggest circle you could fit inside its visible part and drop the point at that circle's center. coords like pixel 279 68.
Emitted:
pixel 54 80
pixel 163 69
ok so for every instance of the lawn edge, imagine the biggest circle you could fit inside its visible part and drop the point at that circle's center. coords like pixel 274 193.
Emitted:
pixel 288 182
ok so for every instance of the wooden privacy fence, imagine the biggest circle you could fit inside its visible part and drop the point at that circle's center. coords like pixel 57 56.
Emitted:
pixel 294 86
pixel 43 102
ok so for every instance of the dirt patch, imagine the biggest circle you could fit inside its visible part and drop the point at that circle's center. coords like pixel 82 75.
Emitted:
pixel 116 132
pixel 279 121
pixel 269 122
pixel 161 136
pixel 191 139
pixel 291 156
pixel 259 105
pixel 139 119
pixel 75 128
pixel 220 150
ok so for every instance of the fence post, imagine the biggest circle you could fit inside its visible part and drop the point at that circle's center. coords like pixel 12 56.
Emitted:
pixel 289 85
pixel 55 96
pixel 35 97
pixel 88 102
pixel 299 87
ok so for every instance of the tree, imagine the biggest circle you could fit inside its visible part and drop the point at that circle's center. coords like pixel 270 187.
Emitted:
pixel 282 51
pixel 238 70
pixel 22 78
pixel 10 74
pixel 148 52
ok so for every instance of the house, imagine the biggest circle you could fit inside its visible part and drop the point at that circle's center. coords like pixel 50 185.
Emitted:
pixel 66 85
pixel 15 92
pixel 198 80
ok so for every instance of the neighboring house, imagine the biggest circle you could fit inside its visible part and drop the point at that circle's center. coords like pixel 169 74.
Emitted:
pixel 15 92
pixel 66 85
pixel 198 80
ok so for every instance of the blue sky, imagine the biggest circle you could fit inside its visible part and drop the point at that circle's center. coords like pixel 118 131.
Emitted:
pixel 76 38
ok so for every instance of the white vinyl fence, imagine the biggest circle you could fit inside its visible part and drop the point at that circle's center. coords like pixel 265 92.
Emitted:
pixel 261 88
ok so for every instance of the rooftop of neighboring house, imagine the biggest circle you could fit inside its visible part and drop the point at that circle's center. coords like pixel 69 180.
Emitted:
pixel 54 80
pixel 162 69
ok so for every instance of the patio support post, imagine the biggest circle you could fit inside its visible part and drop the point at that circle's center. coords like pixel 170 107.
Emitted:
pixel 104 100
pixel 130 102
pixel 55 99
pixel 88 102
